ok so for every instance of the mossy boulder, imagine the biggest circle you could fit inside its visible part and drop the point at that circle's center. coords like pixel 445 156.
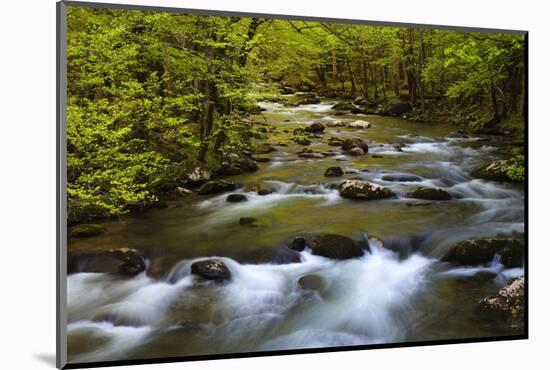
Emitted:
pixel 430 194
pixel 194 172
pixel 495 170
pixel 363 190
pixel 343 106
pixel 352 143
pixel 507 307
pixel 235 162
pixel 87 230
pixel 480 251
pixel 216 186
pixel 335 246
pixel 334 171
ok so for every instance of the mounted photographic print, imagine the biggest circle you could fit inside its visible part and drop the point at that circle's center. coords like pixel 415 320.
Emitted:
pixel 237 184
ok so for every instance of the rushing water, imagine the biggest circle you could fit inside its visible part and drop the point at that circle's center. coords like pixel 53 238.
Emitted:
pixel 397 293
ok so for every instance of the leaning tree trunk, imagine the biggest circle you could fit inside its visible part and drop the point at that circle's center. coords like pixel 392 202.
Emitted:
pixel 207 119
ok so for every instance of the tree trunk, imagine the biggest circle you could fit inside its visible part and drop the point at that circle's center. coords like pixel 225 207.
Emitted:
pixel 207 119
pixel 365 80
pixel 353 89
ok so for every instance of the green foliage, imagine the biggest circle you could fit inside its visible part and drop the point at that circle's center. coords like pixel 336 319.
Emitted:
pixel 147 90
pixel 516 171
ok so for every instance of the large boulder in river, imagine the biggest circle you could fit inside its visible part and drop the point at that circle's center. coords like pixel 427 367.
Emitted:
pixel 194 172
pixel 495 170
pixel 211 269
pixel 216 186
pixel 430 194
pixel 507 307
pixel 350 144
pixel 364 190
pixel 359 124
pixel 125 261
pixel 315 127
pixel 235 162
pixel 334 172
pixel 395 107
pixel 87 230
pixel 473 252
pixel 335 246
pixel 336 123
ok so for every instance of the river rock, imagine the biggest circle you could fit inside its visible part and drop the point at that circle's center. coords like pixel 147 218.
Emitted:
pixel 301 140
pixel 430 194
pixel 183 192
pixel 335 246
pixel 310 154
pixel 507 307
pixel 87 230
pixel 315 127
pixel 311 282
pixel 359 124
pixel 235 162
pixel 236 198
pixel 263 148
pixel 395 107
pixel 216 186
pixel 473 252
pixel 298 244
pixel 125 261
pixel 194 172
pixel 495 170
pixel 248 221
pixel 334 172
pixel 212 269
pixel 350 144
pixel 401 178
pixel 364 190
pixel 336 123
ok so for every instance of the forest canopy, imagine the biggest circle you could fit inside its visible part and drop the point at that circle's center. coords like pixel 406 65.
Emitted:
pixel 151 92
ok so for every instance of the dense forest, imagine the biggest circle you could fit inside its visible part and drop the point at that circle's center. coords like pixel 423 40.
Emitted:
pixel 158 100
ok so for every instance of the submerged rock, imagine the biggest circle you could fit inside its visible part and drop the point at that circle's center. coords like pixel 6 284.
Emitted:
pixel 430 194
pixel 236 198
pixel 365 190
pixel 335 246
pixel 334 172
pixel 315 127
pixel 87 231
pixel 212 269
pixel 507 307
pixel 495 171
pixel 248 221
pixel 217 186
pixel 353 143
pixel 359 124
pixel 480 251
pixel 263 149
pixel 401 178
pixel 311 282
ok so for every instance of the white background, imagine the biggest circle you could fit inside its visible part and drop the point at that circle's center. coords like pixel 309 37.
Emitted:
pixel 27 203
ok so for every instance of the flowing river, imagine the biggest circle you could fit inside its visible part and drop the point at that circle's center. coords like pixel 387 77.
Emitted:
pixel 399 292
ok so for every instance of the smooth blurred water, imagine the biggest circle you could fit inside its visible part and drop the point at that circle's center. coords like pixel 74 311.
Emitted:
pixel 398 293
